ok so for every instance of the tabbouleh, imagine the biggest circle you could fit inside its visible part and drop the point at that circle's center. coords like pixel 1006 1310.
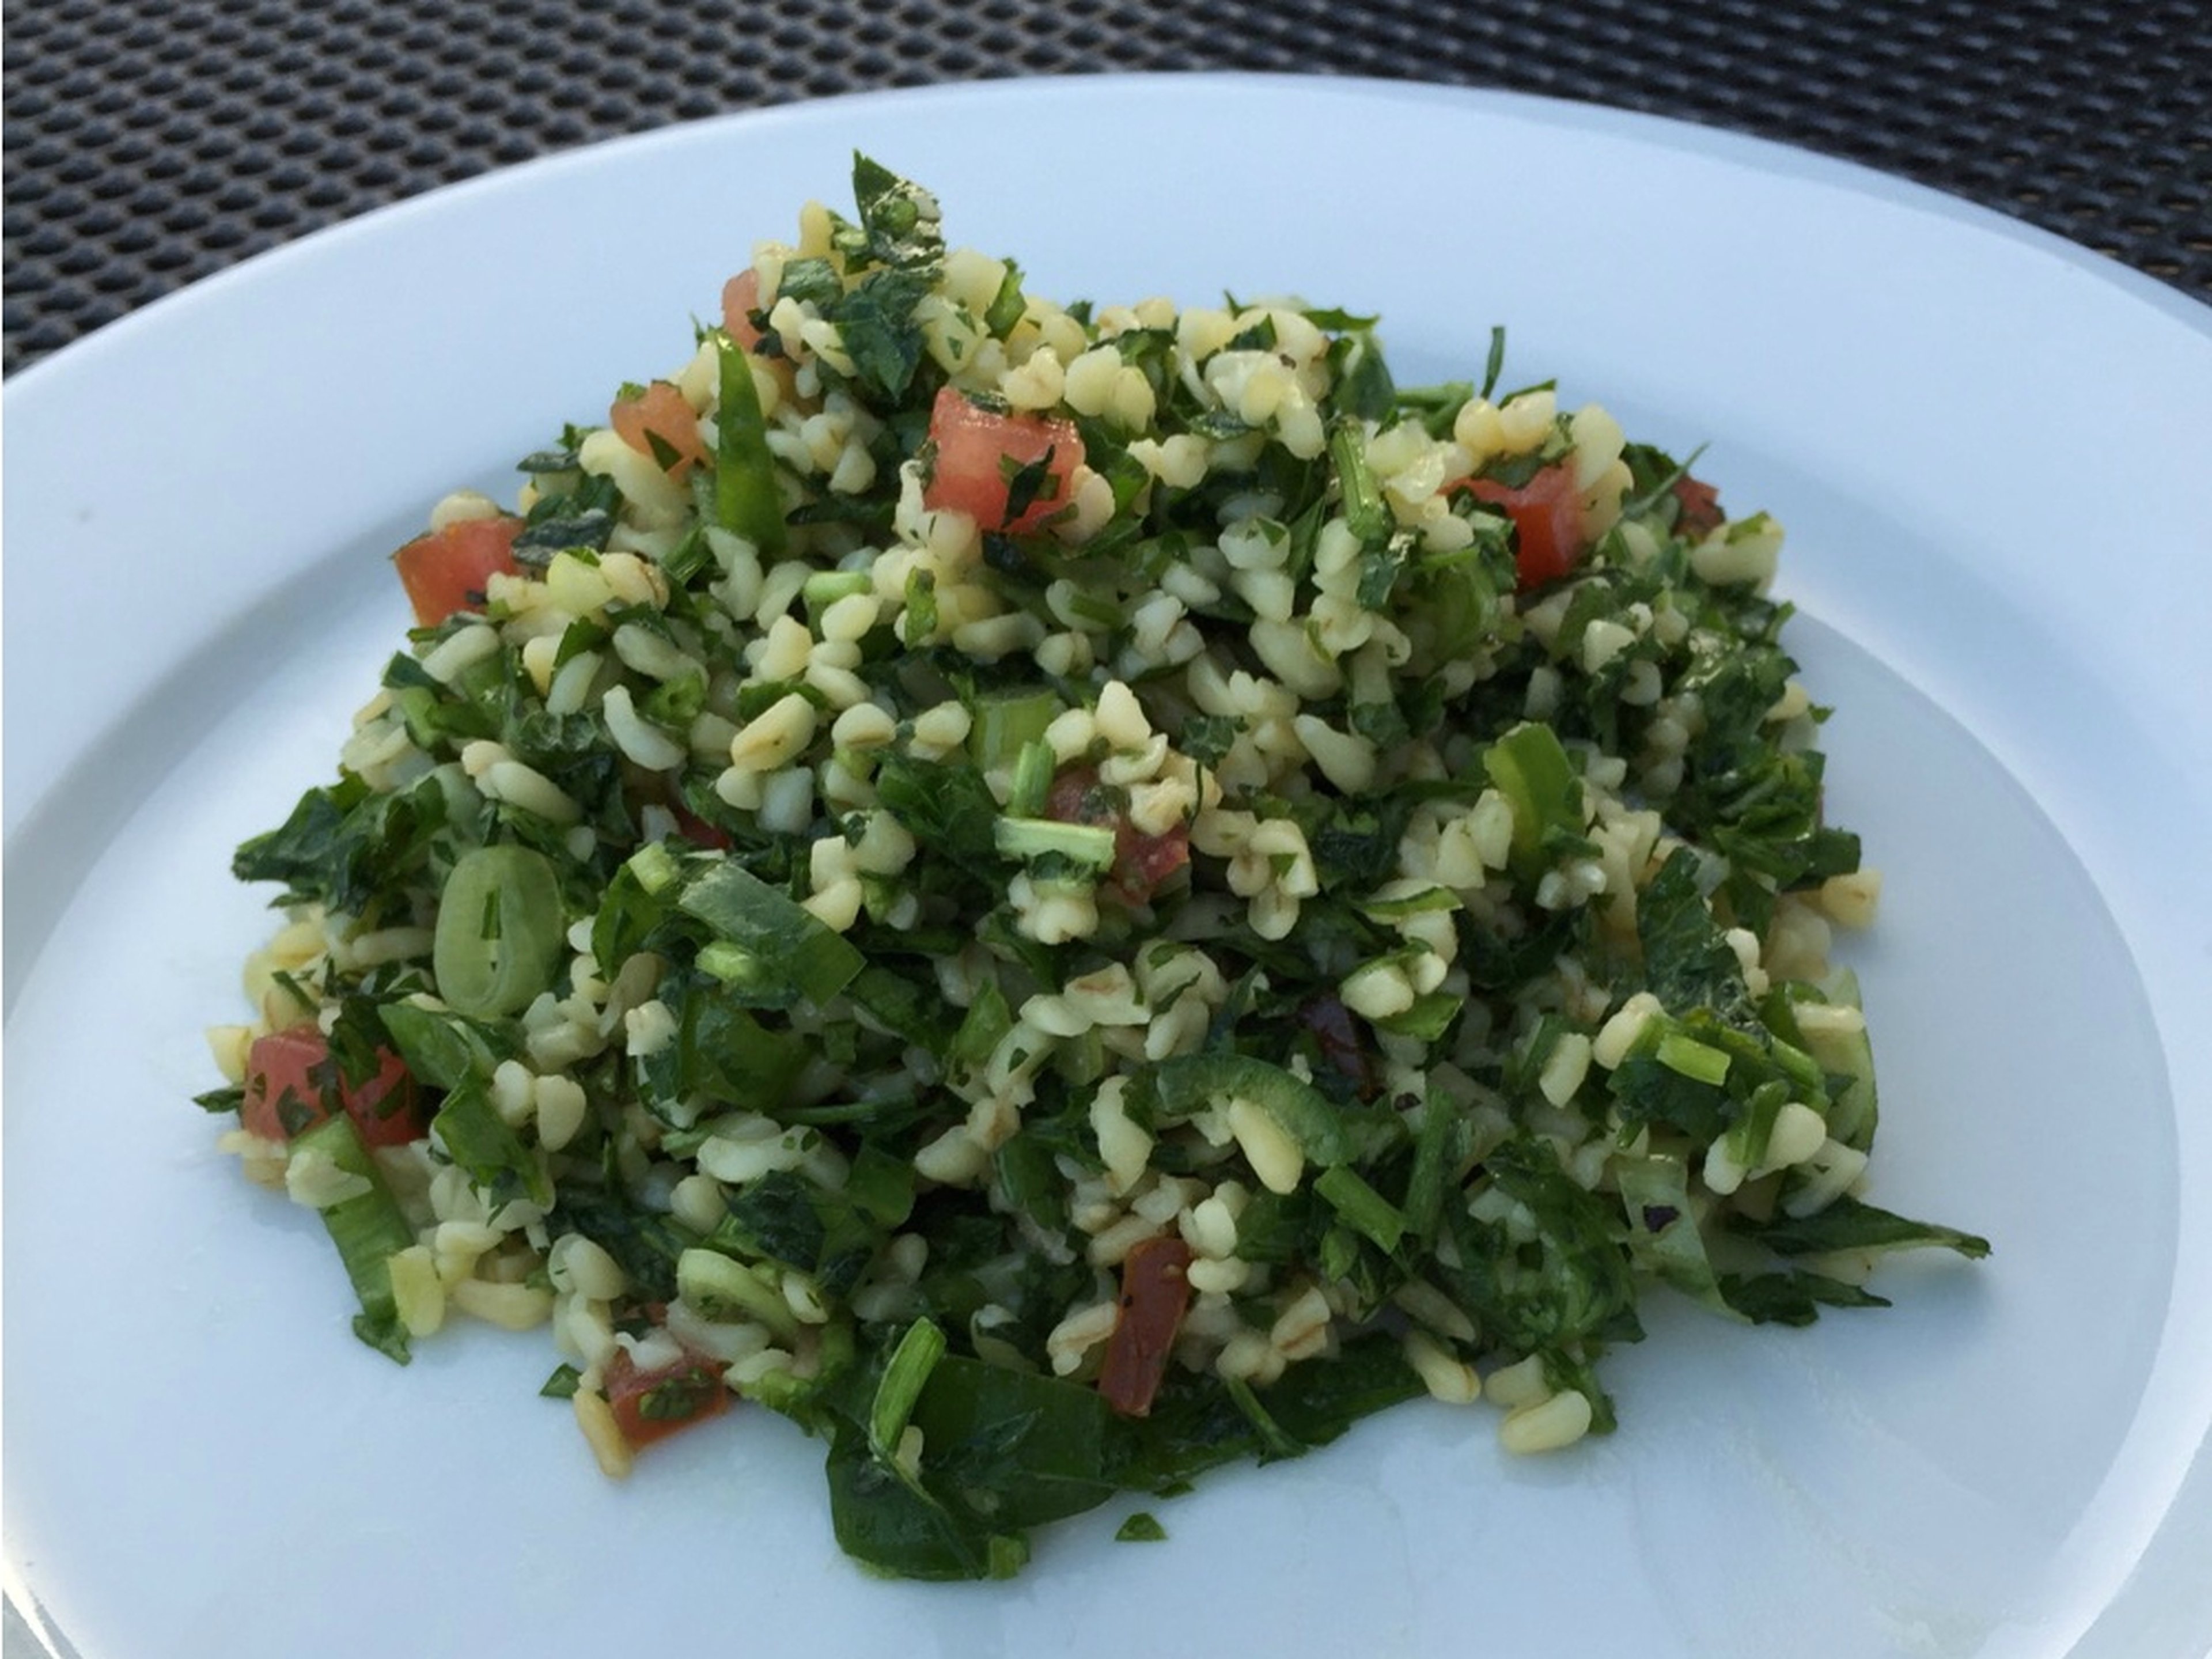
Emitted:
pixel 1064 895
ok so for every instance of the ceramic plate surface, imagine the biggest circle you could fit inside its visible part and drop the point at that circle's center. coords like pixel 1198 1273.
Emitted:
pixel 1987 447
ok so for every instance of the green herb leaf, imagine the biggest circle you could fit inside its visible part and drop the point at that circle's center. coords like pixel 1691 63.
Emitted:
pixel 478 1138
pixel 562 1383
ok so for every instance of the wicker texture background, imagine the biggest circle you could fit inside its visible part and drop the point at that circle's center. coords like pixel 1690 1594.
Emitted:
pixel 150 143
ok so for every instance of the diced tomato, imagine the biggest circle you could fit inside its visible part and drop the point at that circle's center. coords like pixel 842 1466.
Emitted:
pixel 1008 473
pixel 1698 509
pixel 1142 863
pixel 650 1406
pixel 740 299
pixel 1075 797
pixel 293 1083
pixel 1547 519
pixel 659 424
pixel 450 569
pixel 1155 1292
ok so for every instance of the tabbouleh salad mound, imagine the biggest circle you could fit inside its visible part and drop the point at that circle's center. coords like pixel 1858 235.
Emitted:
pixel 1067 894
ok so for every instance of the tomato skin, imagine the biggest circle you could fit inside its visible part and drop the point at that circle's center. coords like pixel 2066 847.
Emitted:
pixel 660 411
pixel 1698 508
pixel 1547 520
pixel 976 447
pixel 451 569
pixel 1142 863
pixel 1073 798
pixel 627 1389
pixel 1155 1294
pixel 740 299
pixel 297 1064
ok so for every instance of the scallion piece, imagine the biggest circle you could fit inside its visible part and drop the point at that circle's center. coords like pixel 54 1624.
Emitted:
pixel 1364 1209
pixel 655 867
pixel 904 1375
pixel 745 498
pixel 825 587
pixel 1302 1111
pixel 1365 511
pixel 1692 1059
pixel 368 1230
pixel 500 931
pixel 719 1288
pixel 775 932
pixel 1008 722
pixel 1087 844
pixel 1032 782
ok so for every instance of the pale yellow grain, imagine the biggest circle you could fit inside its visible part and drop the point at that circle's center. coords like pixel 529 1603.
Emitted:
pixel 597 1419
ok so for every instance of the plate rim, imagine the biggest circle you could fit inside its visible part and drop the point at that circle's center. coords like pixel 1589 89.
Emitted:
pixel 2192 1503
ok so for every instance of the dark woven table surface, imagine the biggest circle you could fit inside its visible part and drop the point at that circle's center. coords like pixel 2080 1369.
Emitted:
pixel 151 142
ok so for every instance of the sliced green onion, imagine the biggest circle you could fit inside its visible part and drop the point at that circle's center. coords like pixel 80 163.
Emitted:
pixel 734 964
pixel 1007 722
pixel 825 587
pixel 500 931
pixel 1847 1054
pixel 1088 844
pixel 1363 1208
pixel 1365 512
pixel 1428 1019
pixel 1424 1186
pixel 368 1230
pixel 1299 1109
pixel 911 1362
pixel 720 1289
pixel 655 867
pixel 1033 764
pixel 745 498
pixel 1413 904
pixel 776 933
pixel 1692 1059
pixel 1747 1140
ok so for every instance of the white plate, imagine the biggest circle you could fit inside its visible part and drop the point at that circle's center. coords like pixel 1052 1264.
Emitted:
pixel 1988 447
